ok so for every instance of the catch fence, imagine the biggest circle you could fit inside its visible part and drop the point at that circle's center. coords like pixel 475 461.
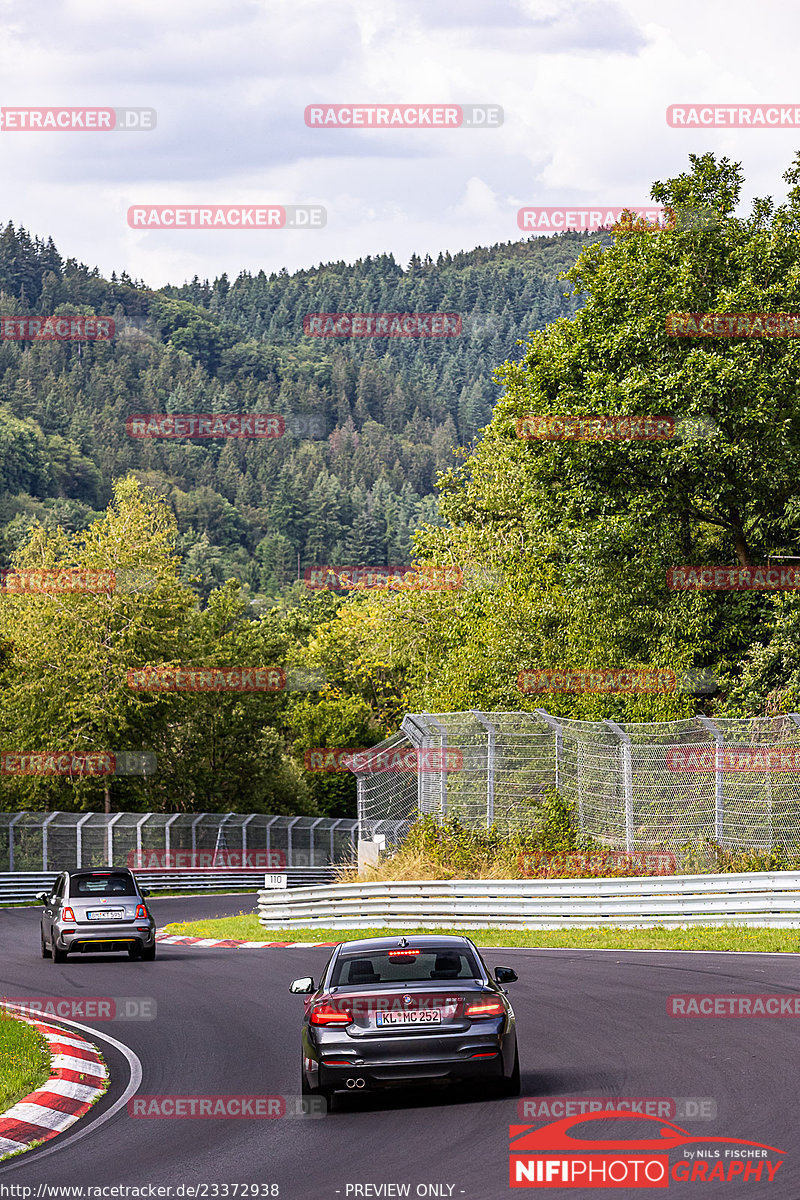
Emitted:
pixel 634 786
pixel 60 841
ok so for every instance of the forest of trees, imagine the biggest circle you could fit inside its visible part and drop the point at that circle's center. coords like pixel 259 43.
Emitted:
pixel 392 411
pixel 564 546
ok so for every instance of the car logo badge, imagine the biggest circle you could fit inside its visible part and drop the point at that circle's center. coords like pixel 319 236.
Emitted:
pixel 407 999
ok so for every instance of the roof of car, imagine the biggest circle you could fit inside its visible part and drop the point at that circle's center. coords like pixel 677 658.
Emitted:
pixel 98 871
pixel 423 941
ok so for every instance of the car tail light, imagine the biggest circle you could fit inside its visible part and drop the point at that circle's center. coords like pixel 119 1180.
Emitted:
pixel 331 1014
pixel 67 914
pixel 141 913
pixel 485 1008
pixel 400 955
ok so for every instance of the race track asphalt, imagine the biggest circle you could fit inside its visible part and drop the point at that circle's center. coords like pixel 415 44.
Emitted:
pixel 590 1023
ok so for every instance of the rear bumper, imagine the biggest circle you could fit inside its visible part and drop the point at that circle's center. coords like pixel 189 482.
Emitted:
pixel 333 1058
pixel 101 941
pixel 378 1075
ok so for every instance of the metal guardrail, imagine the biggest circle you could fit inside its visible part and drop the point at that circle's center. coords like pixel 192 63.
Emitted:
pixel 759 898
pixel 21 886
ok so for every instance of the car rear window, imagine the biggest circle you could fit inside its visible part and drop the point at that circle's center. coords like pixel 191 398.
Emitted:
pixel 404 966
pixel 102 885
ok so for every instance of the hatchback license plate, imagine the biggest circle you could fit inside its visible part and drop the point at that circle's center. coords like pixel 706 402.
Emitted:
pixel 413 1016
pixel 107 914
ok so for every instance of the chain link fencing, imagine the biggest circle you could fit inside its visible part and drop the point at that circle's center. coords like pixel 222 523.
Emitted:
pixel 62 841
pixel 634 786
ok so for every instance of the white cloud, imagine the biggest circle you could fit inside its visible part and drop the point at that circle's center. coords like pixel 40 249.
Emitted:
pixel 584 85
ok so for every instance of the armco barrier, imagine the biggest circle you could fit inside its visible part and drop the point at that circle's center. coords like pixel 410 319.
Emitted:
pixel 760 898
pixel 21 886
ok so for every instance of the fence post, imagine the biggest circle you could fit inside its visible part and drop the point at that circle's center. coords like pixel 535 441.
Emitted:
pixel 360 804
pixel 11 825
pixel 555 725
pixel 338 821
pixel 45 823
pixel 443 763
pixel 252 817
pixel 289 854
pixel 579 781
pixel 110 838
pixel 311 829
pixel 719 738
pixel 627 778
pixel 490 764
pixel 167 846
pixel 79 839
pixel 195 822
pixel 139 825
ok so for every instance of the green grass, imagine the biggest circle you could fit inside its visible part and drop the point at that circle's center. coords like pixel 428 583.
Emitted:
pixel 246 927
pixel 24 1061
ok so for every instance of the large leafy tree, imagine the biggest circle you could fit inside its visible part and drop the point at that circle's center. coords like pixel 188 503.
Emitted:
pixel 574 538
pixel 65 678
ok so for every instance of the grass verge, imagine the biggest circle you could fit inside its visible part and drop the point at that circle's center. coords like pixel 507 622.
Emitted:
pixel 246 927
pixel 24 1061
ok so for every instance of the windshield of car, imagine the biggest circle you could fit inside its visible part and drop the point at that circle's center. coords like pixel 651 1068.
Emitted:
pixel 102 885
pixel 404 965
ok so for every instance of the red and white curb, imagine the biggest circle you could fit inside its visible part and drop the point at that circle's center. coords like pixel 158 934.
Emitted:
pixel 78 1078
pixel 168 939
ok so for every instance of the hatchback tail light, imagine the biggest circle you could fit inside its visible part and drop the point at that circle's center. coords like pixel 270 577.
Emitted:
pixel 490 1007
pixel 67 914
pixel 141 913
pixel 331 1014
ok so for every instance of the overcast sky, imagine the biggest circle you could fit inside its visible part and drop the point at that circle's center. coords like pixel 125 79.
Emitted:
pixel 584 85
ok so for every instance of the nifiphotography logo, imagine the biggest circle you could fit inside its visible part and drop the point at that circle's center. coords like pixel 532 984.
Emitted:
pixel 576 1152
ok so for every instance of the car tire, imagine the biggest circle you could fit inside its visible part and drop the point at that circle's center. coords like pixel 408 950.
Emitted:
pixel 149 953
pixel 59 956
pixel 307 1090
pixel 45 951
pixel 135 952
pixel 512 1085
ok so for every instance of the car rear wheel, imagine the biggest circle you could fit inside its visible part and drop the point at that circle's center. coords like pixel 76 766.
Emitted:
pixel 45 951
pixel 135 951
pixel 307 1090
pixel 148 954
pixel 59 956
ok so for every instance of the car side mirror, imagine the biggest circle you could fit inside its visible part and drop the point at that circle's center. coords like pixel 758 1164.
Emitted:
pixel 302 987
pixel 42 897
pixel 505 975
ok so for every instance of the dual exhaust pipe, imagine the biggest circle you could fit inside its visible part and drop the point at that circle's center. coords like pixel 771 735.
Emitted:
pixel 355 1083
